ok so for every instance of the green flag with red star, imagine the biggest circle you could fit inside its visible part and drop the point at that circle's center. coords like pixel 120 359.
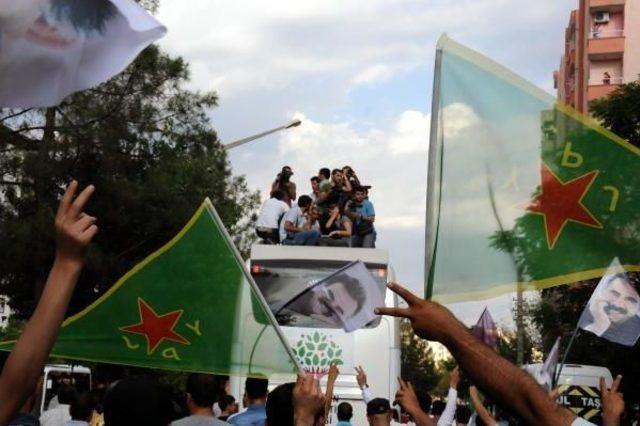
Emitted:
pixel 190 306
pixel 523 192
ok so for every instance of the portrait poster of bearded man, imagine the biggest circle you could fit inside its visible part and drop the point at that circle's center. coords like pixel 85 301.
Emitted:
pixel 614 308
pixel 52 48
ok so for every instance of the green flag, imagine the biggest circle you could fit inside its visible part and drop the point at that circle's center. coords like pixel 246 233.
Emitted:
pixel 190 306
pixel 522 191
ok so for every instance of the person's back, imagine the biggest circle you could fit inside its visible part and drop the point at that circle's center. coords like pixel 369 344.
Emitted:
pixel 201 391
pixel 60 414
pixel 379 412
pixel 256 393
pixel 137 401
pixel 81 410
pixel 271 213
pixel 345 413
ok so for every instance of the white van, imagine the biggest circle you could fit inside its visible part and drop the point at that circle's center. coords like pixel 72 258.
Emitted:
pixel 287 269
pixel 579 387
pixel 58 374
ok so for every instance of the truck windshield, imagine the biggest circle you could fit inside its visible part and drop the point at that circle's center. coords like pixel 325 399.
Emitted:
pixel 280 281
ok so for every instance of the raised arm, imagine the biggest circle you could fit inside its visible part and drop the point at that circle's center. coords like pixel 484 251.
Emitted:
pixel 328 395
pixel 452 398
pixel 482 411
pixel 74 231
pixel 408 400
pixel 507 385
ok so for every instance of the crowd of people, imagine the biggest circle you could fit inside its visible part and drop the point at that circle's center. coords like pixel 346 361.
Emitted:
pixel 206 401
pixel 336 212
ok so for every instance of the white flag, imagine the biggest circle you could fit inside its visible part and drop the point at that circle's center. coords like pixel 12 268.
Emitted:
pixel 52 48
pixel 548 370
pixel 346 298
pixel 613 309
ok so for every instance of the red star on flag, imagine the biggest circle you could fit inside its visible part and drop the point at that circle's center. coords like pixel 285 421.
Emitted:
pixel 560 202
pixel 156 328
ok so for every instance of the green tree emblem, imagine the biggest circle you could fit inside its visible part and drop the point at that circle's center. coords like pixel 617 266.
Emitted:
pixel 316 352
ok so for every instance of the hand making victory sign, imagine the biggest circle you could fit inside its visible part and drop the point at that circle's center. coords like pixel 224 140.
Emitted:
pixel 74 232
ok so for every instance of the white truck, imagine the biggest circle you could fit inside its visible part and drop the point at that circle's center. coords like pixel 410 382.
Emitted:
pixel 282 272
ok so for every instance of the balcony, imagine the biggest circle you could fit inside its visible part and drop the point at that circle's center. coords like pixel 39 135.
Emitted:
pixel 601 90
pixel 611 47
pixel 609 5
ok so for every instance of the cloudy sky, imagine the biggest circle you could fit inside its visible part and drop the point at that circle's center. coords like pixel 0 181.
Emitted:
pixel 359 75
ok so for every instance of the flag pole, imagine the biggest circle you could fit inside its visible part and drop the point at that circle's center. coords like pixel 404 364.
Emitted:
pixel 566 353
pixel 430 229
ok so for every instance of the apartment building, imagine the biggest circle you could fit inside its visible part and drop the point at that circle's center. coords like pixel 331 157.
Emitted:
pixel 602 51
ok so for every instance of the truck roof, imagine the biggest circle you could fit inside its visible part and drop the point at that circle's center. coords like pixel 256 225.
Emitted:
pixel 282 252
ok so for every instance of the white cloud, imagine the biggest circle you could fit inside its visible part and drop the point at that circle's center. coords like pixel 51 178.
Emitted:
pixel 373 74
pixel 411 133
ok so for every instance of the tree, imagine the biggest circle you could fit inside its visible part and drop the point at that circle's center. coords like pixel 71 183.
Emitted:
pixel 620 112
pixel 417 362
pixel 148 146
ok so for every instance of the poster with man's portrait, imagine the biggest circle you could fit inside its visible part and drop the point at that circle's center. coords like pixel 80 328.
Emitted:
pixel 613 312
pixel 345 299
pixel 52 48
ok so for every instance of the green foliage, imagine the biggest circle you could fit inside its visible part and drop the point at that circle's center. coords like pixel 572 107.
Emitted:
pixel 620 112
pixel 146 143
pixel 317 350
pixel 417 360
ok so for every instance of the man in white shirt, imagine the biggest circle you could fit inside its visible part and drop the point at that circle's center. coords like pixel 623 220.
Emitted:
pixel 59 415
pixel 292 227
pixel 270 216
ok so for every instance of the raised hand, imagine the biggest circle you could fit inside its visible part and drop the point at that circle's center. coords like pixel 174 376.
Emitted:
pixel 429 320
pixel 333 374
pixel 74 229
pixel 454 378
pixel 612 402
pixel 361 376
pixel 308 400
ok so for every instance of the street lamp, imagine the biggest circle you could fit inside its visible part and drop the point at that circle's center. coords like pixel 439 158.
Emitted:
pixel 294 123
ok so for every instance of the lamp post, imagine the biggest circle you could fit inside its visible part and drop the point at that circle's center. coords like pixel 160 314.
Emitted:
pixel 240 142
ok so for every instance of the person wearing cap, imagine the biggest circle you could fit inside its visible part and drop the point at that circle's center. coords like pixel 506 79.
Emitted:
pixel 379 412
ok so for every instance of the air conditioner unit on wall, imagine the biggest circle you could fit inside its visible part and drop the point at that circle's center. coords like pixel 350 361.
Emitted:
pixel 601 17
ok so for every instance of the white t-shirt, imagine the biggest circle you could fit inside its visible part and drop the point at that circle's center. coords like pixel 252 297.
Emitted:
pixel 271 211
pixel 294 216
pixel 56 416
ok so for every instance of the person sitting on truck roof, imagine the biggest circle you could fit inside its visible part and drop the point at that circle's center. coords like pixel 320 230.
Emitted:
pixel 201 395
pixel 315 188
pixel 337 229
pixel 291 227
pixel 284 183
pixel 345 413
pixel 271 213
pixel 363 215
pixel 255 391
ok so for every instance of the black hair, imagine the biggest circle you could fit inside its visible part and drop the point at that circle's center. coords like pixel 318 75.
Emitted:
pixel 82 407
pixel 353 287
pixel 280 405
pixel 345 412
pixel 67 394
pixel 202 388
pixel 463 414
pixel 256 388
pixel 278 194
pixel 314 179
pixel 86 16
pixel 304 201
pixel 137 401
pixel 437 407
pixel 225 401
pixel 334 171
pixel 325 172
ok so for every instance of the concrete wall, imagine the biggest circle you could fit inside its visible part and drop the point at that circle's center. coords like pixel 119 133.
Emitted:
pixel 631 68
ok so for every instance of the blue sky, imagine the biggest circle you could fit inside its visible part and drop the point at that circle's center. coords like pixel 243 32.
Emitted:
pixel 359 75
